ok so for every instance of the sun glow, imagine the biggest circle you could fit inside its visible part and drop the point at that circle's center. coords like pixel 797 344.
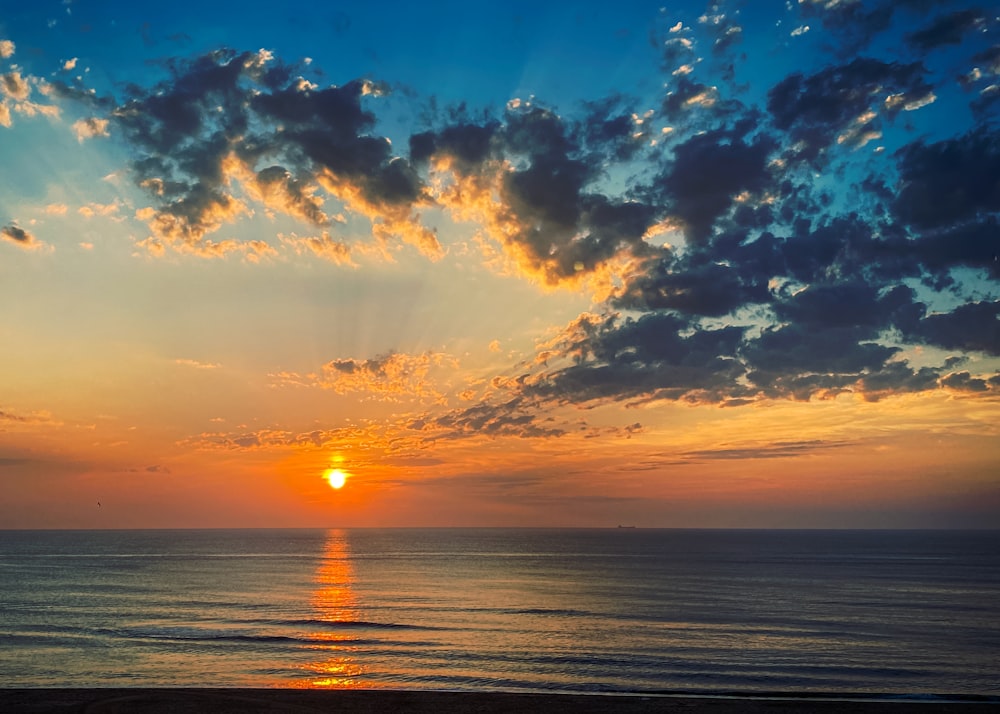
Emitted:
pixel 336 478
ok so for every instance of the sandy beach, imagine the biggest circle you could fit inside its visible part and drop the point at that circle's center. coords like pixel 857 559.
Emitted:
pixel 230 701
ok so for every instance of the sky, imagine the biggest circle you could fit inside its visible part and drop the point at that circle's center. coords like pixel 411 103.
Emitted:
pixel 731 264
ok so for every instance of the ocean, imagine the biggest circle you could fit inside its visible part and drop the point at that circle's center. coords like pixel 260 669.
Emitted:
pixel 911 613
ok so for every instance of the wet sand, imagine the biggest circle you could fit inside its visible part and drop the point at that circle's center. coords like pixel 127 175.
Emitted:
pixel 288 701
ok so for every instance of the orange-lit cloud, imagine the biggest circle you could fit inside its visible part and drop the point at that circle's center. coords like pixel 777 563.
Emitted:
pixel 90 128
pixel 323 246
pixel 391 377
pixel 196 364
pixel 22 238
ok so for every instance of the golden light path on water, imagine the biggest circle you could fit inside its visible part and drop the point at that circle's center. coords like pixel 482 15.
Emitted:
pixel 334 601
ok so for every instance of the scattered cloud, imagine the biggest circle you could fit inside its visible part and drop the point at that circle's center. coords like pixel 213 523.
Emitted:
pixel 390 377
pixel 801 264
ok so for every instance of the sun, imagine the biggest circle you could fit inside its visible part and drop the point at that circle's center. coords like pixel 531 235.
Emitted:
pixel 336 478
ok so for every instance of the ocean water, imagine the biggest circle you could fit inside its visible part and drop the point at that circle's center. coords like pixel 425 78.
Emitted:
pixel 836 612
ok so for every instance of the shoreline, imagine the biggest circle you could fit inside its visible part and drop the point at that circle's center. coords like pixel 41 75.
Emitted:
pixel 155 700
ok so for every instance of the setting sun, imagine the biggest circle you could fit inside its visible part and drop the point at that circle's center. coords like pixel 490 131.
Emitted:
pixel 336 478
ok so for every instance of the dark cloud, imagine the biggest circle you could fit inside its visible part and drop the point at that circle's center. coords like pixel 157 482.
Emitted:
pixel 704 289
pixel 855 304
pixel 467 145
pixel 949 198
pixel 972 327
pixel 965 382
pixel 8 462
pixel 708 171
pixel 19 236
pixel 544 169
pixel 841 103
pixel 612 131
pixel 643 359
pixel 247 116
pixel 897 378
pixel 16 234
pixel 835 355
pixel 776 450
pixel 949 182
pixel 855 24
pixel 946 30
pixel 990 59
pixel 972 245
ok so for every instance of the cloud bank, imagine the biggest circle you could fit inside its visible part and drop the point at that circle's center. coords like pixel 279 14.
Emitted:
pixel 797 242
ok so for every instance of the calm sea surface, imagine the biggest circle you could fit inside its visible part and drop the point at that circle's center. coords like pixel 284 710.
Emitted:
pixel 888 612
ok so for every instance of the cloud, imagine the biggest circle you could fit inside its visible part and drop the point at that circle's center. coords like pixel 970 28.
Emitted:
pixel 89 128
pixel 18 419
pixel 509 418
pixel 14 86
pixel 708 171
pixel 988 59
pixel 323 246
pixel 965 382
pixel 15 95
pixel 228 120
pixel 91 210
pixel 972 327
pixel 185 222
pixel 774 450
pixel 6 49
pixel 152 469
pixel 276 187
pixel 196 364
pixel 273 439
pixel 946 183
pixel 947 29
pixel 855 23
pixel 20 237
pixel 640 360
pixel 800 263
pixel 816 109
pixel 506 414
pixel 690 286
pixel 390 377
pixel 723 29
pixel 529 182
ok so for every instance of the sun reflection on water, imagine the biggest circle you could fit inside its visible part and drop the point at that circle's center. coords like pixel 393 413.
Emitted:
pixel 334 602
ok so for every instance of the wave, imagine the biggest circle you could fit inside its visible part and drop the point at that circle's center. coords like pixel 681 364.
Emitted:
pixel 347 624
pixel 301 631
